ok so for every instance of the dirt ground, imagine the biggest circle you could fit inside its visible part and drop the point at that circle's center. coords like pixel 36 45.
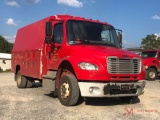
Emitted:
pixel 35 103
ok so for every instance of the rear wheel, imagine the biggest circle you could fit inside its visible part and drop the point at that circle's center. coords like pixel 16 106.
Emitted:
pixel 29 82
pixel 21 80
pixel 151 74
pixel 68 91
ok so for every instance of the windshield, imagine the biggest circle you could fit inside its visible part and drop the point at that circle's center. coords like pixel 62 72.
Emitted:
pixel 149 54
pixel 83 32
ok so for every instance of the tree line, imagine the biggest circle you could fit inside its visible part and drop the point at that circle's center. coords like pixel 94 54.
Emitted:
pixel 151 42
pixel 5 46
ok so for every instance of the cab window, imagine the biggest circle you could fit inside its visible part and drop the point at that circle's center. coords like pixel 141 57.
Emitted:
pixel 58 33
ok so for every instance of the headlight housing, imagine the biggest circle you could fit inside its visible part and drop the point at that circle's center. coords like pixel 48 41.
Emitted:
pixel 146 67
pixel 87 66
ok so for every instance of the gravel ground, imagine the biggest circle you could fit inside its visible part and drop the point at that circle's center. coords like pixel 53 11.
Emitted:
pixel 35 103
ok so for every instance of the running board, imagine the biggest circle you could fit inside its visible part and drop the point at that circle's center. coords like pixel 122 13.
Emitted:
pixel 48 82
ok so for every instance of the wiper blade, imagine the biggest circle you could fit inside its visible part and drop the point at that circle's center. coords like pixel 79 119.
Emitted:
pixel 78 41
pixel 86 41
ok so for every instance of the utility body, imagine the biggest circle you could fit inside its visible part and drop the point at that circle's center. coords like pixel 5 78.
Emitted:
pixel 74 56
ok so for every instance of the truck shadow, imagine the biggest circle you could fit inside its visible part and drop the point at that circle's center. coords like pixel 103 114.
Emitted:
pixel 157 79
pixel 51 94
pixel 99 101
pixel 93 101
pixel 36 85
pixel 109 101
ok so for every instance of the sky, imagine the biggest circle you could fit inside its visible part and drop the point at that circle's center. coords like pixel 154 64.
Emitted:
pixel 136 18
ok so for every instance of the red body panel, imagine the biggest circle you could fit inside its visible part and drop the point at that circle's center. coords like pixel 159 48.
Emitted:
pixel 28 50
pixel 31 53
pixel 98 55
pixel 152 61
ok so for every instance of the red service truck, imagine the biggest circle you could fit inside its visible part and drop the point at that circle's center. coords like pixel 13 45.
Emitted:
pixel 151 62
pixel 74 56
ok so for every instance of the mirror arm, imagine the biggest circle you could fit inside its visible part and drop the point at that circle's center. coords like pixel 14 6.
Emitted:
pixel 48 39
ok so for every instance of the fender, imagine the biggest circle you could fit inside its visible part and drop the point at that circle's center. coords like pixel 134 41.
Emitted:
pixel 85 74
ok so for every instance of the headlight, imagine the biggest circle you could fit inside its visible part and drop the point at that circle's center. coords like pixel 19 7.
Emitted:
pixel 146 67
pixel 87 66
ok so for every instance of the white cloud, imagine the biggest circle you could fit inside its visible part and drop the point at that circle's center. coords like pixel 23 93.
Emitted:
pixel 157 34
pixel 10 39
pixel 10 21
pixel 72 3
pixel 12 3
pixel 126 42
pixel 34 1
pixel 156 17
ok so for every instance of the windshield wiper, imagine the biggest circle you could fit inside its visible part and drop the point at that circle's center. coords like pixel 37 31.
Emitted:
pixel 86 41
pixel 93 42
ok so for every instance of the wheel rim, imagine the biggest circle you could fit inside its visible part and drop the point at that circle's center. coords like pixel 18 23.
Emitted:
pixel 65 90
pixel 152 75
pixel 19 79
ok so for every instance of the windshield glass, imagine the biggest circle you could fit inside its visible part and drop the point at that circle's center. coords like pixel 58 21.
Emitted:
pixel 83 32
pixel 149 54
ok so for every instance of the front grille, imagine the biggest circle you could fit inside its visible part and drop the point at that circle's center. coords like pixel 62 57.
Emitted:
pixel 123 66
pixel 117 91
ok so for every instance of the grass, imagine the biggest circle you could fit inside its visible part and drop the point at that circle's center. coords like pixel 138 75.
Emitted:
pixel 7 70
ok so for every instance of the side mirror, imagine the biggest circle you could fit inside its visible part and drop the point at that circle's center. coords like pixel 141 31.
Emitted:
pixel 119 32
pixel 48 28
pixel 120 38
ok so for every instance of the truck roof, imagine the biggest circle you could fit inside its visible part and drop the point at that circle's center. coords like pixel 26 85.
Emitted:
pixel 5 56
pixel 58 17
pixel 151 50
pixel 32 36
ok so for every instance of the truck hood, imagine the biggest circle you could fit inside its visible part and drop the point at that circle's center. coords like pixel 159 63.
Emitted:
pixel 97 51
pixel 149 61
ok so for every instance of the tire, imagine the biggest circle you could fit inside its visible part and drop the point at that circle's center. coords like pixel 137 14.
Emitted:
pixel 151 74
pixel 21 80
pixel 68 91
pixel 29 83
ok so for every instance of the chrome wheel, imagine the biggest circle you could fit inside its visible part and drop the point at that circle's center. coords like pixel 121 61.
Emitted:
pixel 19 80
pixel 152 74
pixel 68 90
pixel 65 90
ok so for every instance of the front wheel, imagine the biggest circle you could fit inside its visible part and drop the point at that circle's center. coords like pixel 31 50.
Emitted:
pixel 68 91
pixel 151 74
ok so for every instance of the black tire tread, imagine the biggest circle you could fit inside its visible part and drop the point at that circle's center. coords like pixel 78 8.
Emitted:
pixel 74 96
pixel 23 80
pixel 148 77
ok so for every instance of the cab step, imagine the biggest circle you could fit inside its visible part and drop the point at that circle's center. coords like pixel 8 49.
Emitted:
pixel 48 82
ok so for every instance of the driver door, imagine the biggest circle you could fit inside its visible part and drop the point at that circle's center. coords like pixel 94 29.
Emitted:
pixel 57 51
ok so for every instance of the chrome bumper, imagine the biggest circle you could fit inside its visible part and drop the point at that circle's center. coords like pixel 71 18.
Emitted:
pixel 116 89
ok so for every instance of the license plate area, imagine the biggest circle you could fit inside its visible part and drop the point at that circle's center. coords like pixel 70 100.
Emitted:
pixel 125 87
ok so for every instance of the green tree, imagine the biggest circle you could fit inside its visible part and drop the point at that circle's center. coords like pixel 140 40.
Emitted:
pixel 151 42
pixel 5 46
